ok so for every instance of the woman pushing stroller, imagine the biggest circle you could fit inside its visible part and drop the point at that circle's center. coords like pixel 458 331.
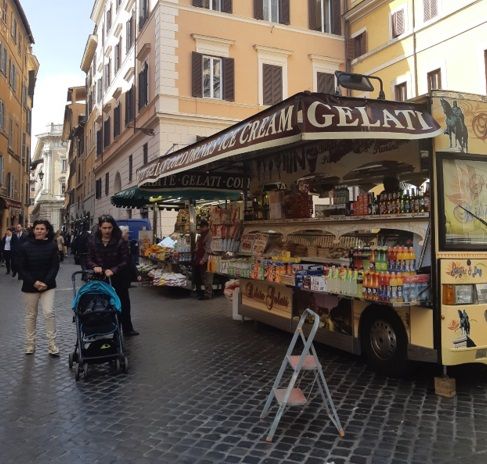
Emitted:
pixel 108 254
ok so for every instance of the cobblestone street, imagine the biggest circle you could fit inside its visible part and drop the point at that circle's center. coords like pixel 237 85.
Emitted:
pixel 196 386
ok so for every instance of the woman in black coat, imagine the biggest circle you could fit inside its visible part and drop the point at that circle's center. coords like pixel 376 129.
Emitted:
pixel 38 262
pixel 108 254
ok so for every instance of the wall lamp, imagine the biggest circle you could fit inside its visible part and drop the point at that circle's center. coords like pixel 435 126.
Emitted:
pixel 144 130
pixel 41 175
pixel 359 82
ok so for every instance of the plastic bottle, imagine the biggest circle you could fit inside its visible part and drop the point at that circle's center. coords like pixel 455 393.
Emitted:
pixel 400 282
pixel 393 285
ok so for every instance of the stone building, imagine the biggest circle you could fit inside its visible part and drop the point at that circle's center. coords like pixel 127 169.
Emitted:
pixel 49 176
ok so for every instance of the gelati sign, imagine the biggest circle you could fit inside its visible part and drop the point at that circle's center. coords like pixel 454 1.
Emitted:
pixel 201 181
pixel 305 116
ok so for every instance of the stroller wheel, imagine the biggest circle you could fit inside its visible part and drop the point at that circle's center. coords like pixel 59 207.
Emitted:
pixel 85 369
pixel 70 360
pixel 125 364
pixel 117 365
pixel 77 374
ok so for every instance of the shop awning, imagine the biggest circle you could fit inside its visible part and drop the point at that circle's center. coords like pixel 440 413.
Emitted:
pixel 301 118
pixel 135 197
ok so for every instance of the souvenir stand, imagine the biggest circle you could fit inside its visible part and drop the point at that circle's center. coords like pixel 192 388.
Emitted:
pixel 364 250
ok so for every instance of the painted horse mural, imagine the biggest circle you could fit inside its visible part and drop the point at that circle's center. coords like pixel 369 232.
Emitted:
pixel 455 125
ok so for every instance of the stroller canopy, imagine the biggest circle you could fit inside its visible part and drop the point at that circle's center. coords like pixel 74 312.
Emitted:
pixel 100 288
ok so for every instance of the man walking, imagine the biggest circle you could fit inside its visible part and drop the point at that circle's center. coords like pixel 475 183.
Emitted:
pixel 201 275
pixel 18 239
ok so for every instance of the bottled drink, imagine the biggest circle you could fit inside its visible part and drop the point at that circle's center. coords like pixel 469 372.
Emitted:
pixel 399 281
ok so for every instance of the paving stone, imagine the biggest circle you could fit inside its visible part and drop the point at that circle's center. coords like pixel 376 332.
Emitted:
pixel 195 390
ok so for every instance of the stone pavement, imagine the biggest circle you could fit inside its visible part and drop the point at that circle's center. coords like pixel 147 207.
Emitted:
pixel 196 387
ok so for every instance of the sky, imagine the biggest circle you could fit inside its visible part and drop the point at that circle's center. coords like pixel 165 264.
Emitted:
pixel 60 29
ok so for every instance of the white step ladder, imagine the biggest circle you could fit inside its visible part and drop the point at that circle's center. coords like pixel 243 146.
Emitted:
pixel 306 361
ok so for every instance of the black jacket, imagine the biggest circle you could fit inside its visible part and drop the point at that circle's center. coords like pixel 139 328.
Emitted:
pixel 38 260
pixel 16 243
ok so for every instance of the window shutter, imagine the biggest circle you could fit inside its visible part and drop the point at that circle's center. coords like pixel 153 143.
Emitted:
pixel 197 75
pixel 198 3
pixel 325 83
pixel 272 84
pixel 227 6
pixel 258 9
pixel 284 11
pixel 336 19
pixel 312 19
pixel 228 79
pixel 398 23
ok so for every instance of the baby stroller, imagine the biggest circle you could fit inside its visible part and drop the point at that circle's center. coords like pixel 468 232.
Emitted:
pixel 99 339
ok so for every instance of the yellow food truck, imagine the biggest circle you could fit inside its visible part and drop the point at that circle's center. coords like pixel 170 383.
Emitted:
pixel 372 213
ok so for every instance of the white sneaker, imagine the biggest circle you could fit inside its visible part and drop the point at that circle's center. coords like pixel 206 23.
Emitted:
pixel 53 350
pixel 30 350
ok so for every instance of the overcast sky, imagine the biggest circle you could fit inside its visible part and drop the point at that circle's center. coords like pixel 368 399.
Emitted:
pixel 60 29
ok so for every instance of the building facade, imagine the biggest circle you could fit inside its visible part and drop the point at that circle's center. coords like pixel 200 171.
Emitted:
pixel 76 215
pixel 49 176
pixel 163 73
pixel 418 45
pixel 18 71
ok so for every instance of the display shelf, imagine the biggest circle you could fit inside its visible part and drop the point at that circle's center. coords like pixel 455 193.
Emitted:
pixel 323 260
pixel 340 225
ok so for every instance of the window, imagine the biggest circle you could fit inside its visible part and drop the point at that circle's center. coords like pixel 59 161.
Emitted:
pixel 459 175
pixel 4 11
pixel 143 12
pixel 99 142
pixel 144 86
pixel 398 23
pixel 2 115
pixel 129 33
pixel 359 44
pixel 116 121
pixel 131 167
pixel 10 185
pixel 107 183
pixel 272 84
pixel 98 189
pixel 1 170
pixel 324 16
pixel 430 9
pixel 109 19
pixel 13 28
pixel 13 76
pixel 63 188
pixel 99 90
pixel 64 165
pixel 106 133
pixel 145 154
pixel 401 92
pixel 118 55
pixel 10 133
pixel 216 5
pixel 325 83
pixel 276 11
pixel 213 77
pixel 434 79
pixel 129 106
pixel 3 60
pixel 108 73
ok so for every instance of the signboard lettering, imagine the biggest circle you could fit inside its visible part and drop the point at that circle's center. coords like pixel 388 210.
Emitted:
pixel 267 296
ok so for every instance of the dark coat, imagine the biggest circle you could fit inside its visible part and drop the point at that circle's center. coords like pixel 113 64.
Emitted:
pixel 38 260
pixel 17 242
pixel 114 256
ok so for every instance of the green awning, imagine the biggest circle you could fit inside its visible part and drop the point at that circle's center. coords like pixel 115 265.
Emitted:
pixel 133 197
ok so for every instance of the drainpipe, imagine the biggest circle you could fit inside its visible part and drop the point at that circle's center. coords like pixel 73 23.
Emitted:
pixel 415 58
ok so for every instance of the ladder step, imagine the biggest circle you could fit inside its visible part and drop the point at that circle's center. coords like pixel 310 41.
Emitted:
pixel 296 398
pixel 308 365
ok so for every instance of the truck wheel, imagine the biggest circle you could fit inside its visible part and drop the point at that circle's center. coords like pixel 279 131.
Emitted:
pixel 384 342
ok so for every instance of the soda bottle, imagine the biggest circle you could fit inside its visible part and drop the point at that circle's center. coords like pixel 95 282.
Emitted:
pixel 399 281
pixel 393 285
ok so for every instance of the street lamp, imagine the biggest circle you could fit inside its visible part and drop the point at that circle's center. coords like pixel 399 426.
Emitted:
pixel 359 82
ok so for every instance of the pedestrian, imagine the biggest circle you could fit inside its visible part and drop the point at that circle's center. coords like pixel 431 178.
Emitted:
pixel 38 261
pixel 19 237
pixel 6 248
pixel 201 275
pixel 108 254
pixel 60 245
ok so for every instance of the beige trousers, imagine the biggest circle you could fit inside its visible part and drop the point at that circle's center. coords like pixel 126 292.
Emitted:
pixel 46 300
